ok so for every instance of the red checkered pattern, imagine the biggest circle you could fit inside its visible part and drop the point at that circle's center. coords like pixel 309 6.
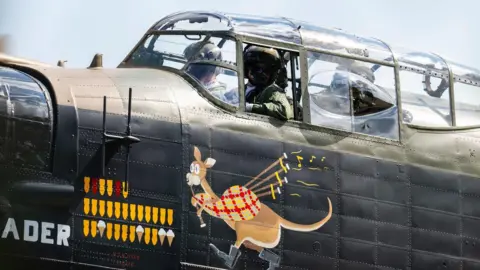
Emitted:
pixel 236 204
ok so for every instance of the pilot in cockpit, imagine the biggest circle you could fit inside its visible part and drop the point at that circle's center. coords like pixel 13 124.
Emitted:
pixel 262 94
pixel 337 97
pixel 206 73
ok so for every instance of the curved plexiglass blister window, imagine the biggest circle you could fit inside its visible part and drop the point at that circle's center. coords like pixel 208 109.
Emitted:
pixel 339 41
pixel 25 119
pixel 424 81
pixel 352 95
pixel 265 27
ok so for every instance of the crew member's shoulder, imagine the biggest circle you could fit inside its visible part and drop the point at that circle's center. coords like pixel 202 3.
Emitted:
pixel 275 88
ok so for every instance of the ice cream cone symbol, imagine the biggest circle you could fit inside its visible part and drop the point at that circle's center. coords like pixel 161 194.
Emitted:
pixel 170 236
pixel 155 214
pixel 101 207
pixel 117 232
pixel 124 232
pixel 101 187
pixel 132 212
pixel 162 215
pixel 148 210
pixel 161 234
pixel 140 213
pixel 147 236
pixel 139 232
pixel 154 236
pixel 94 207
pixel 86 206
pixel 101 227
pixel 109 187
pixel 110 209
pixel 109 231
pixel 170 217
pixel 86 227
pixel 93 228
pixel 86 184
pixel 132 233
pixel 125 211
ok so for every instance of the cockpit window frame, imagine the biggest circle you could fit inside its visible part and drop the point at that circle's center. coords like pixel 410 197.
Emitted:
pixel 244 36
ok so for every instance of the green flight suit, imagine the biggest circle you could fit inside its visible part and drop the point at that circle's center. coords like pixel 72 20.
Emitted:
pixel 271 101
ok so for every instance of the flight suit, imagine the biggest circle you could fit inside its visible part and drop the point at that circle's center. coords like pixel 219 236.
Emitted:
pixel 218 90
pixel 271 101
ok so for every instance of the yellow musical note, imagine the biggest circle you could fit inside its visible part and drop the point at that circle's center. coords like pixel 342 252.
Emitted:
pixel 109 187
pixel 94 207
pixel 132 212
pixel 86 206
pixel 132 233
pixel 86 227
pixel 170 217
pixel 109 231
pixel 299 158
pixel 124 232
pixel 125 211
pixel 162 216
pixel 93 228
pixel 140 213
pixel 155 214
pixel 110 209
pixel 312 158
pixel 147 236
pixel 101 186
pixel 117 231
pixel 86 184
pixel 147 213
pixel 101 207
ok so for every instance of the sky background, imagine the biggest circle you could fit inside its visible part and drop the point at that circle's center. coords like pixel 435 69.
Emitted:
pixel 74 30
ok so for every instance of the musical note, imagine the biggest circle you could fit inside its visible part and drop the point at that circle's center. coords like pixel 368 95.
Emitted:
pixel 299 158
pixel 312 158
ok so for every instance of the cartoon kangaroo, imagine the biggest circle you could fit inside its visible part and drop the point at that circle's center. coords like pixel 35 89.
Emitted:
pixel 260 232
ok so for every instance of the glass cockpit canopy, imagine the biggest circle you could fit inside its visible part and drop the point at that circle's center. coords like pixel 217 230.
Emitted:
pixel 317 38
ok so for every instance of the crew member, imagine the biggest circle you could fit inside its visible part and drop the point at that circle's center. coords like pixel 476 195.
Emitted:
pixel 262 95
pixel 206 74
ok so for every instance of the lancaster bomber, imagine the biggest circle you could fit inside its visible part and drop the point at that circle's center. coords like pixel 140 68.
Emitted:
pixel 144 166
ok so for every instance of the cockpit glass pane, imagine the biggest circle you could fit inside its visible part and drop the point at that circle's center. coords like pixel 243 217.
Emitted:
pixel 467 104
pixel 336 40
pixel 352 95
pixel 23 96
pixel 220 82
pixel 194 21
pixel 424 81
pixel 465 74
pixel 173 50
pixel 266 27
pixel 420 62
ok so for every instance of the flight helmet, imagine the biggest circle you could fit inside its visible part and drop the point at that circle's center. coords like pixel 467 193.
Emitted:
pixel 261 65
pixel 208 51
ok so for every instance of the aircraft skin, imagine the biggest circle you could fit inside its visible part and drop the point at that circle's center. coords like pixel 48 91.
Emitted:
pixel 408 205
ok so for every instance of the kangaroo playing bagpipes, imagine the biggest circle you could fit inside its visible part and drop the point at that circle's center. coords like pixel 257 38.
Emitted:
pixel 256 225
